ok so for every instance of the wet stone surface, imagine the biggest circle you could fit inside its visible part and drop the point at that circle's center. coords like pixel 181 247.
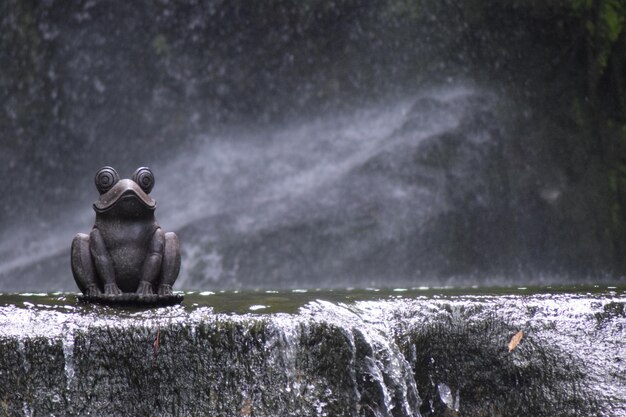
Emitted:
pixel 314 353
pixel 133 300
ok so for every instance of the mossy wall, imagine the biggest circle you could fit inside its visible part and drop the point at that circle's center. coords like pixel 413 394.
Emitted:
pixel 441 356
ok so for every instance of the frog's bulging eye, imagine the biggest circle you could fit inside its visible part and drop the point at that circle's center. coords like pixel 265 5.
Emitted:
pixel 106 178
pixel 144 178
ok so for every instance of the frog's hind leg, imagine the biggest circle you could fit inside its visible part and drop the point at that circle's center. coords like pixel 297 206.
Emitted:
pixel 171 264
pixel 82 266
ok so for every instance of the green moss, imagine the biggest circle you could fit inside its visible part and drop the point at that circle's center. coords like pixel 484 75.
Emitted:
pixel 160 45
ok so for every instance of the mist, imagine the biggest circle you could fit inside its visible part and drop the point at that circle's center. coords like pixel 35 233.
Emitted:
pixel 312 144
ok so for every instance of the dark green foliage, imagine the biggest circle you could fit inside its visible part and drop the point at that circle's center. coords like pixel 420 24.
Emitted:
pixel 566 59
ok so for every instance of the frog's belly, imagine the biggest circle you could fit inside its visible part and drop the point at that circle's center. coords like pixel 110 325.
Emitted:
pixel 128 262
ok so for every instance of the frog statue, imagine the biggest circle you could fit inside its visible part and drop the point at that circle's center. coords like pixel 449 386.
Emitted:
pixel 126 252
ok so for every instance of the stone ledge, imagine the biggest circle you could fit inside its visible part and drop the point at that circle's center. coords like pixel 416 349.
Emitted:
pixel 439 356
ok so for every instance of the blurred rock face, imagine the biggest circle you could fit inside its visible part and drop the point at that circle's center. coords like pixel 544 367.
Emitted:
pixel 301 143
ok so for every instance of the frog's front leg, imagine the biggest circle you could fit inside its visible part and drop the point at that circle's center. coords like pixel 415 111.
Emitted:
pixel 82 266
pixel 103 262
pixel 171 264
pixel 152 265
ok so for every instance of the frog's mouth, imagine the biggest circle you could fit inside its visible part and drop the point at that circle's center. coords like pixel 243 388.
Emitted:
pixel 123 189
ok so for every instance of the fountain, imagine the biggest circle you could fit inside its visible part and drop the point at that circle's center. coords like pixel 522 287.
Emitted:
pixel 392 209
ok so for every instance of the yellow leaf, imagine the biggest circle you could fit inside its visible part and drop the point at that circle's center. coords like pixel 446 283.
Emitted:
pixel 515 340
pixel 157 340
pixel 246 410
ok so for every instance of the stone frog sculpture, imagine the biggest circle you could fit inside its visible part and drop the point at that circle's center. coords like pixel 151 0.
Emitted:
pixel 126 251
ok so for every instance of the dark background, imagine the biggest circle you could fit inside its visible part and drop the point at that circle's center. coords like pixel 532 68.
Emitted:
pixel 83 83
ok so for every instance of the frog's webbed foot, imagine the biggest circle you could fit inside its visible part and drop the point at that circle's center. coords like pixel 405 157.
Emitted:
pixel 164 260
pixel 145 288
pixel 165 289
pixel 83 266
pixel 112 289
pixel 92 291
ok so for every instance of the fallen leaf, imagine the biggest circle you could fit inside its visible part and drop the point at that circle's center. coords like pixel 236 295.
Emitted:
pixel 246 410
pixel 515 340
pixel 156 342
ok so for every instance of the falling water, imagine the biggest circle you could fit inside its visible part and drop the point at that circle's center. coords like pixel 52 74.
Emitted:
pixel 300 144
pixel 334 178
pixel 393 149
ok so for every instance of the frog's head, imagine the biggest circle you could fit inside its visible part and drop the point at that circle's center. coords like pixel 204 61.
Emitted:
pixel 127 197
